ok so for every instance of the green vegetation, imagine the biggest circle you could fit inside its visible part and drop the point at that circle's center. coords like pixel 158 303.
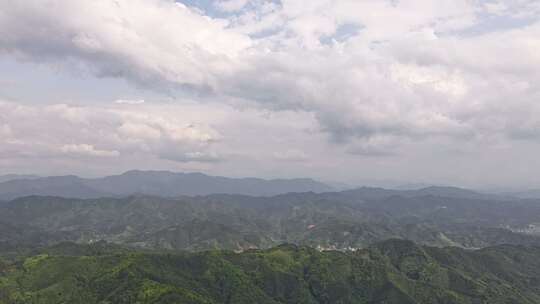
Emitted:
pixel 126 250
pixel 343 220
pixel 393 271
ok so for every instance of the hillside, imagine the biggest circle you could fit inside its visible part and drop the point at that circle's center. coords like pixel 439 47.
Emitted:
pixel 392 272
pixel 339 220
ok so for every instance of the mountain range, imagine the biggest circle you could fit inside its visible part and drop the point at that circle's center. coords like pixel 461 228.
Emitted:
pixel 172 184
pixel 163 237
pixel 9 177
pixel 331 220
pixel 162 183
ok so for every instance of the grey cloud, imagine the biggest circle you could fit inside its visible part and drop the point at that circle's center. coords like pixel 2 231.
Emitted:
pixel 407 76
pixel 103 38
pixel 291 155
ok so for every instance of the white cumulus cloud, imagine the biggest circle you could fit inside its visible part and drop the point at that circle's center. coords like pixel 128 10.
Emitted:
pixel 375 75
pixel 129 101
pixel 95 131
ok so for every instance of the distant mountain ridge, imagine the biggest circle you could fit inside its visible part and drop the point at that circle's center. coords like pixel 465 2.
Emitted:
pixel 174 184
pixel 9 177
pixel 528 194
pixel 440 191
pixel 162 183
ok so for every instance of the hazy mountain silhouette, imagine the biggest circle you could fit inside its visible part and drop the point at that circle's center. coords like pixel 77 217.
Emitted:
pixel 9 177
pixel 163 183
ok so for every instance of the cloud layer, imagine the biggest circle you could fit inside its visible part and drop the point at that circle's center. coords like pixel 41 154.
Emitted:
pixel 366 69
pixel 66 131
pixel 377 76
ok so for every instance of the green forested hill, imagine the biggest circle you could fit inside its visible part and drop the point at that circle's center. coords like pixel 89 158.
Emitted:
pixel 353 219
pixel 393 271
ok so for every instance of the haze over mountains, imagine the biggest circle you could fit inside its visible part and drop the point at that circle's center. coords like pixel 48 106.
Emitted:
pixel 162 183
pixel 10 177
pixel 163 237
pixel 173 184
pixel 436 216
pixel 418 120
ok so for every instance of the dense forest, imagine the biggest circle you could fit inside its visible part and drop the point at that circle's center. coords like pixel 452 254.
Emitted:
pixel 367 245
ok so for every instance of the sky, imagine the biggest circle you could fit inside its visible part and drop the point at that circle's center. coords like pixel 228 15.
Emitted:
pixel 351 91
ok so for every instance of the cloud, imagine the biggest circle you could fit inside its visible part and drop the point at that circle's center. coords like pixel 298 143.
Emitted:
pixel 196 156
pixel 153 43
pixel 230 5
pixel 5 132
pixel 513 9
pixel 99 131
pixel 129 101
pixel 87 150
pixel 376 146
pixel 291 156
pixel 374 74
